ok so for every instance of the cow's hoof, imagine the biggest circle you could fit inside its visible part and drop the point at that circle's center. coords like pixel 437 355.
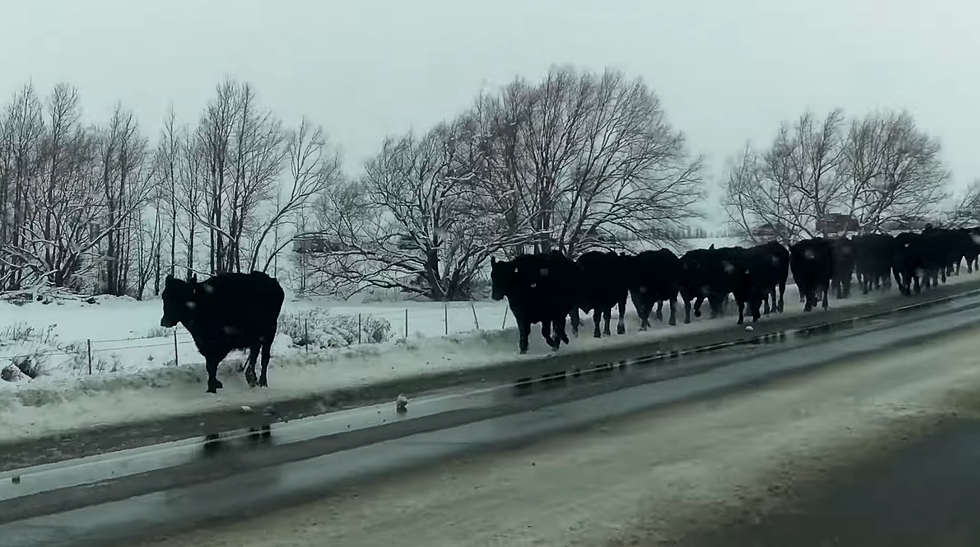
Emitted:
pixel 620 329
pixel 740 321
pixel 672 321
pixel 687 320
pixel 212 390
pixel 263 382
pixel 523 351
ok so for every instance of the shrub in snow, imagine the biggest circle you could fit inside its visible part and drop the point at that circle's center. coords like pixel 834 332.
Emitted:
pixel 30 365
pixel 319 329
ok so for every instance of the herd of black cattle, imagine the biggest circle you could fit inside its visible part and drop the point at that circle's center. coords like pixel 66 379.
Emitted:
pixel 549 287
pixel 240 311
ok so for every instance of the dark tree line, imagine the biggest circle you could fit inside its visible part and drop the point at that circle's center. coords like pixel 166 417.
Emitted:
pixel 574 162
pixel 95 208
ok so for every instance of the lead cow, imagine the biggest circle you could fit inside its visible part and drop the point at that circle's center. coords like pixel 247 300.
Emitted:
pixel 227 312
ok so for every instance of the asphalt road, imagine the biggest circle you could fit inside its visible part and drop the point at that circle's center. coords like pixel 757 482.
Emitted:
pixel 680 452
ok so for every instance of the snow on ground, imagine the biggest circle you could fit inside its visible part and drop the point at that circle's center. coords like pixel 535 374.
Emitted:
pixel 138 372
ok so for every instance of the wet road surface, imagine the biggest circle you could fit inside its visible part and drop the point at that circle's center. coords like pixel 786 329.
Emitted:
pixel 927 493
pixel 605 460
pixel 877 438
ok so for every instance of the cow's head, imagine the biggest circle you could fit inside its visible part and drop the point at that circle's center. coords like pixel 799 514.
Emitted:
pixel 179 300
pixel 502 276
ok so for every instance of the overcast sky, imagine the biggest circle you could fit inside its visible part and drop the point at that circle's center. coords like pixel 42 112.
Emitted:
pixel 726 70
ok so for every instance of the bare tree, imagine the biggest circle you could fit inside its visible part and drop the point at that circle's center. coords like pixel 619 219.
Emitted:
pixel 215 133
pixel 409 223
pixel 23 129
pixel 167 158
pixel 966 213
pixel 893 170
pixel 792 186
pixel 126 185
pixel 590 159
pixel 192 185
pixel 314 167
pixel 244 150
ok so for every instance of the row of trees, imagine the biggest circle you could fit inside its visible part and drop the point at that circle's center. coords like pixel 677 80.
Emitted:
pixel 577 161
pixel 96 208
pixel 876 170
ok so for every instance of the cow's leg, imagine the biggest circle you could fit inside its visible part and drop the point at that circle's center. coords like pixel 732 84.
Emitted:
pixel 575 320
pixel 253 355
pixel 809 299
pixel 782 291
pixel 643 310
pixel 765 300
pixel 606 318
pixel 546 332
pixel 825 303
pixel 672 320
pixel 266 355
pixel 621 326
pixel 213 383
pixel 524 331
pixel 660 310
pixel 741 310
pixel 560 335
pixel 687 310
pixel 698 302
pixel 596 322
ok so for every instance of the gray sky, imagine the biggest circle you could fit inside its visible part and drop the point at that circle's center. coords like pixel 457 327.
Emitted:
pixel 726 70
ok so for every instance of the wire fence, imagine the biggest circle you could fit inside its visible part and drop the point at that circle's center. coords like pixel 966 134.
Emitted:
pixel 454 318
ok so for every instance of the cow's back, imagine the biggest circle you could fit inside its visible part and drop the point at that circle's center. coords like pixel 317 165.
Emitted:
pixel 243 306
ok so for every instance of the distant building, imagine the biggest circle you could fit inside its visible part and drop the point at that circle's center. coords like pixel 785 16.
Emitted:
pixel 312 244
pixel 768 231
pixel 834 223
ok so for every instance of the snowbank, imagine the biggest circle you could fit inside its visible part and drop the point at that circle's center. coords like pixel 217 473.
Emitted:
pixel 140 371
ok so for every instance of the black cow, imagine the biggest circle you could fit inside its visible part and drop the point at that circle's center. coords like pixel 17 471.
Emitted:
pixel 602 284
pixel 725 276
pixel 695 279
pixel 812 263
pixel 873 260
pixel 759 272
pixel 539 288
pixel 654 278
pixel 227 312
pixel 844 261
pixel 973 251
pixel 910 262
